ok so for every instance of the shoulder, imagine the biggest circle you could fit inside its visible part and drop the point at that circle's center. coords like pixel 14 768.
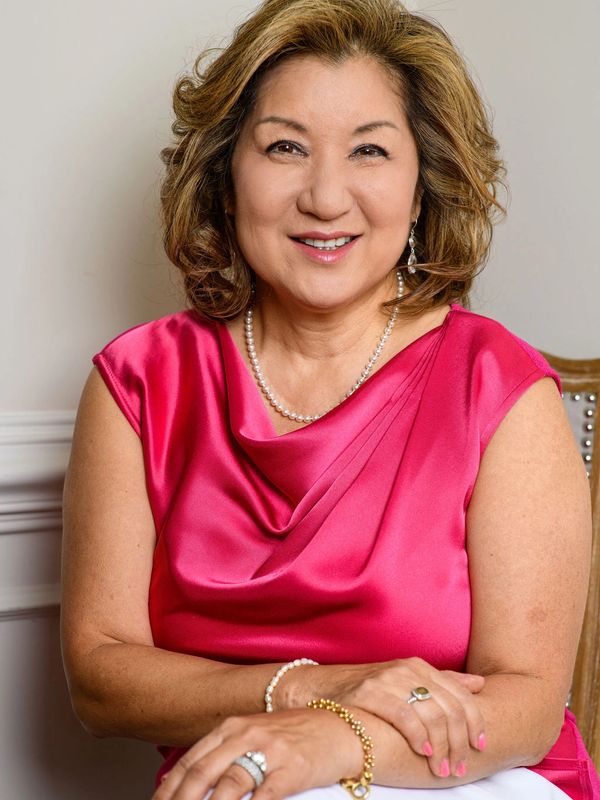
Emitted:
pixel 160 335
pixel 499 367
pixel 143 364
pixel 494 352
pixel 487 337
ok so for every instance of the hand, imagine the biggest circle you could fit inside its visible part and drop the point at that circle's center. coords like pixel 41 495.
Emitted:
pixel 442 728
pixel 293 742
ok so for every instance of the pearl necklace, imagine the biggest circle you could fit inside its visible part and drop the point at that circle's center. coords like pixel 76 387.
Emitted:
pixel 266 389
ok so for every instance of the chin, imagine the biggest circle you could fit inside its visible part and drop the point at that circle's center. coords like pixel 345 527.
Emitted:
pixel 323 300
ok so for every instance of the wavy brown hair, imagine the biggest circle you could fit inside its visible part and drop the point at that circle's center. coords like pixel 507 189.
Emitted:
pixel 459 168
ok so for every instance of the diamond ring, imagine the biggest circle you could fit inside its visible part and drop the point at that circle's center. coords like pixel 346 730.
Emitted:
pixel 255 764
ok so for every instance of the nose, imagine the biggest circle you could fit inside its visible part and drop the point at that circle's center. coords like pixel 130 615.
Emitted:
pixel 326 191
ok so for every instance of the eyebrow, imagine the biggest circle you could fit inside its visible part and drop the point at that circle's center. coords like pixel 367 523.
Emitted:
pixel 290 123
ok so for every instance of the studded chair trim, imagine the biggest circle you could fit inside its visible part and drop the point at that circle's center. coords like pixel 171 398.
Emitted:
pixel 581 395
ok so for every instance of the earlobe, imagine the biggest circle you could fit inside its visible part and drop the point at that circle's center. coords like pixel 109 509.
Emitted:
pixel 416 209
pixel 228 205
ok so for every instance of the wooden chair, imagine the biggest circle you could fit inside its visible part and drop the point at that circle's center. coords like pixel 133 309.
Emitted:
pixel 581 389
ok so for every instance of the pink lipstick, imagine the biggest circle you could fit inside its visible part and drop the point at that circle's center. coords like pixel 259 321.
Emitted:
pixel 325 256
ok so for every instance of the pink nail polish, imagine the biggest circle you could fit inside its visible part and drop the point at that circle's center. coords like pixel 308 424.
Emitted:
pixel 428 749
pixel 461 769
pixel 481 742
pixel 444 768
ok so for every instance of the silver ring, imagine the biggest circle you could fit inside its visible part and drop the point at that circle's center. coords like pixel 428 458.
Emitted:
pixel 419 693
pixel 259 759
pixel 254 769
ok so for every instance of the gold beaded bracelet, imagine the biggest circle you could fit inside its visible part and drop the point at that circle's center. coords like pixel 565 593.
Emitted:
pixel 360 787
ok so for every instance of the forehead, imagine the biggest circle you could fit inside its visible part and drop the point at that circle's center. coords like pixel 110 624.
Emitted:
pixel 308 83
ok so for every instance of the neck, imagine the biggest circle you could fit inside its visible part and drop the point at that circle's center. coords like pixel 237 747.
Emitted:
pixel 306 333
pixel 277 401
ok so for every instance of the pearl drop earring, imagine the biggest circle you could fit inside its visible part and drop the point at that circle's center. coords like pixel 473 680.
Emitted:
pixel 412 259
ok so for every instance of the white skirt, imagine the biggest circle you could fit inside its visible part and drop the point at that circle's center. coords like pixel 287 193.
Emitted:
pixel 510 784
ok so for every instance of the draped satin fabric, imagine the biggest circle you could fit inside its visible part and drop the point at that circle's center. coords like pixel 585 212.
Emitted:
pixel 342 541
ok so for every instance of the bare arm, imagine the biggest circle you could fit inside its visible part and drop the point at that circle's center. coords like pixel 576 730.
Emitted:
pixel 529 538
pixel 529 531
pixel 120 683
pixel 529 534
pixel 529 508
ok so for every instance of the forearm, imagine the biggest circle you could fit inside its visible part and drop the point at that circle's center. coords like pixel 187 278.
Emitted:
pixel 144 692
pixel 521 726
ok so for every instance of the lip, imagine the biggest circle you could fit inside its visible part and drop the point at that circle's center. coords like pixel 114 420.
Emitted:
pixel 323 235
pixel 325 256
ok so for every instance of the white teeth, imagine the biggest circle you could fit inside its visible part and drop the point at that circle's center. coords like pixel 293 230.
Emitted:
pixel 327 244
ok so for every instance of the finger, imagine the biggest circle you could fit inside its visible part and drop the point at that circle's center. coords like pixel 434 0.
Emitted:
pixel 474 683
pixel 393 708
pixel 456 732
pixel 474 717
pixel 276 786
pixel 177 782
pixel 172 779
pixel 401 715
pixel 233 784
pixel 199 769
pixel 433 717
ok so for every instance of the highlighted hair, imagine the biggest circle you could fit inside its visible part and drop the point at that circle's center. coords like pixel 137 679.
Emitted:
pixel 460 171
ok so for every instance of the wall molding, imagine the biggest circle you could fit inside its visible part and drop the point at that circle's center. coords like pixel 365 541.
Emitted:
pixel 34 453
pixel 29 601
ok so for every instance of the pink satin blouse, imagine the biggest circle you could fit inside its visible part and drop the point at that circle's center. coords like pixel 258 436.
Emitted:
pixel 342 541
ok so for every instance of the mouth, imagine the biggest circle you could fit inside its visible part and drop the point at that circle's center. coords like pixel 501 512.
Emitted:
pixel 325 245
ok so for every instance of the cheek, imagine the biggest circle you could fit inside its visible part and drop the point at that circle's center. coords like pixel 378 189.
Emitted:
pixel 389 209
pixel 389 195
pixel 261 193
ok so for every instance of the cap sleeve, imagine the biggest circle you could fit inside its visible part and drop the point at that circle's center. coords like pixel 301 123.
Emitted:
pixel 514 367
pixel 117 364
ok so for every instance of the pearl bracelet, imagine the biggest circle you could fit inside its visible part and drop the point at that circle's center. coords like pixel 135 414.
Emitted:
pixel 297 662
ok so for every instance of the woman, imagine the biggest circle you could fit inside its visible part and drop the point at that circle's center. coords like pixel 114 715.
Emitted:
pixel 328 488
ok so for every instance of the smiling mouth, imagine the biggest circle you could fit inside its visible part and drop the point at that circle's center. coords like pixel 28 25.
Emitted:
pixel 325 244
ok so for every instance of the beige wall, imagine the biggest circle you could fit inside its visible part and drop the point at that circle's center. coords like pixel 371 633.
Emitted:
pixel 538 64
pixel 86 108
pixel 86 94
pixel 86 98
pixel 82 249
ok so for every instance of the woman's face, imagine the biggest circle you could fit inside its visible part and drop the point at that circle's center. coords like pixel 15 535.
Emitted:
pixel 340 160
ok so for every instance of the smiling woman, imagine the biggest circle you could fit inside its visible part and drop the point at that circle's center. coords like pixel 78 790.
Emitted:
pixel 330 173
pixel 433 106
pixel 307 549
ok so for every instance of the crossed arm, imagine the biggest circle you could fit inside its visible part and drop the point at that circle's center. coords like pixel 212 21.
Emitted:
pixel 528 531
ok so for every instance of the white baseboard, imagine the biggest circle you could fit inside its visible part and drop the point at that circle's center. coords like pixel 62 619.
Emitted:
pixel 29 601
pixel 34 452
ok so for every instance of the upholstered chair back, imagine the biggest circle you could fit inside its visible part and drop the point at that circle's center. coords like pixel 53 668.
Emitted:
pixel 581 389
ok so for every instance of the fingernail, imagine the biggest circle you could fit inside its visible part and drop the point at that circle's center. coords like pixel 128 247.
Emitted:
pixel 428 749
pixel 461 769
pixel 481 742
pixel 444 768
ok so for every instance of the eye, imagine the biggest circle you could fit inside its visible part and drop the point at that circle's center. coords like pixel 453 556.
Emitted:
pixel 277 147
pixel 374 150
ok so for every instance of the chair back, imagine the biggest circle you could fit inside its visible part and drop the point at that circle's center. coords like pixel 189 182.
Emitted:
pixel 581 389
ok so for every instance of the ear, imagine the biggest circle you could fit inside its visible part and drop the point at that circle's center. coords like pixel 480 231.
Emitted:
pixel 416 207
pixel 228 203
